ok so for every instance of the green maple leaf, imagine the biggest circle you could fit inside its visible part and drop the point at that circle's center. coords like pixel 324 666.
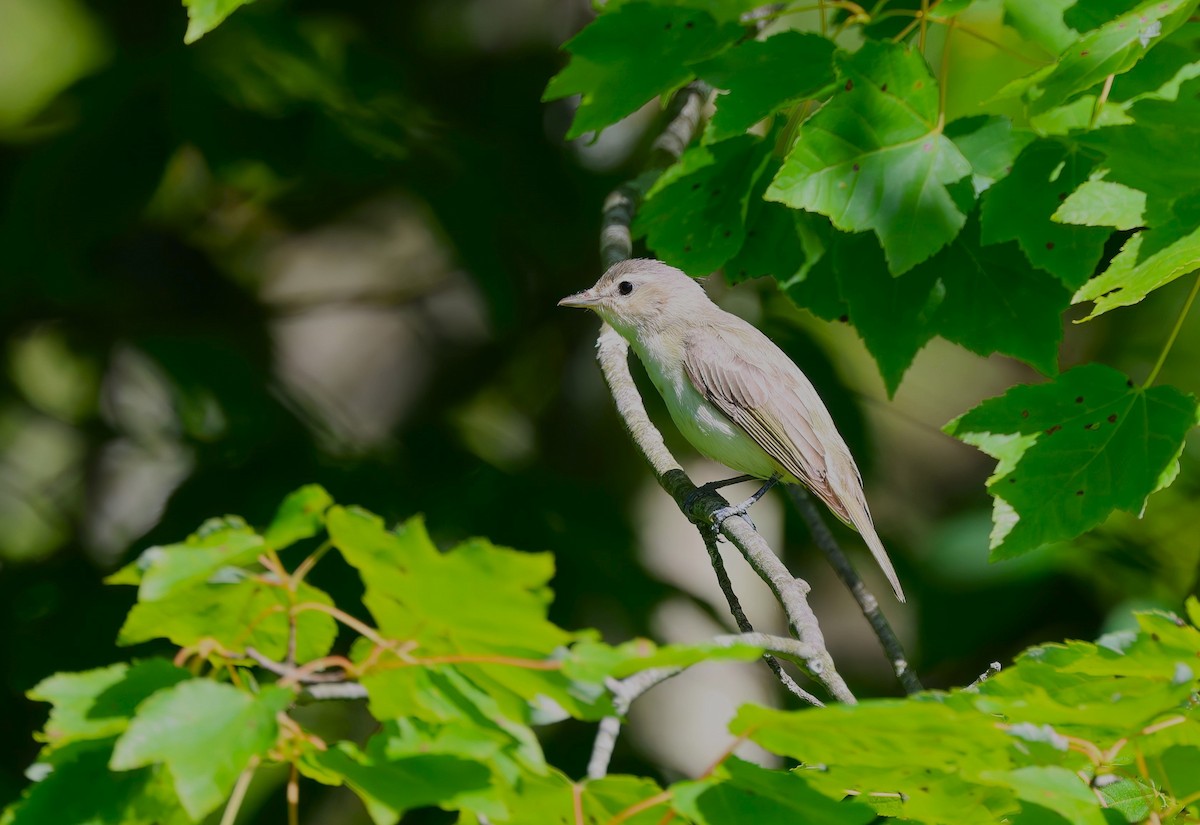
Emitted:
pixel 742 792
pixel 631 54
pixel 1103 203
pixel 1073 450
pixel 206 733
pixel 1020 208
pixel 874 157
pixel 98 704
pixel 391 787
pixel 694 217
pixel 1134 273
pixel 985 299
pixel 1111 49
pixel 762 76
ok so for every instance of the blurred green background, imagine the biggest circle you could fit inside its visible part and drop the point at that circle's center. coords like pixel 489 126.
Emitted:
pixel 324 244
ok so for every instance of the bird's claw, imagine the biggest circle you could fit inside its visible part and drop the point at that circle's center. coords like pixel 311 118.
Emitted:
pixel 719 516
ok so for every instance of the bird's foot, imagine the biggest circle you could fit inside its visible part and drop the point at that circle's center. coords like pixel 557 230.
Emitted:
pixel 719 516
pixel 711 487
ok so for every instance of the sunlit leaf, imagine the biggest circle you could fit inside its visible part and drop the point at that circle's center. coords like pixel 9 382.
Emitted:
pixel 873 158
pixel 98 704
pixel 206 733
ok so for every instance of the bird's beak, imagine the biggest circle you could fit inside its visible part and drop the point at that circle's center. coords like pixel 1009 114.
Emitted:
pixel 584 300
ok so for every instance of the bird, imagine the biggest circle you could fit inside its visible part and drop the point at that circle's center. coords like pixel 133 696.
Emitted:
pixel 732 392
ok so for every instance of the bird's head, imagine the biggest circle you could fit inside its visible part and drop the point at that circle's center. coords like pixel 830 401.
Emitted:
pixel 642 296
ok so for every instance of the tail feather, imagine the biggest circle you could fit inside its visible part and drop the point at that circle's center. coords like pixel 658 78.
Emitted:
pixel 850 505
pixel 867 529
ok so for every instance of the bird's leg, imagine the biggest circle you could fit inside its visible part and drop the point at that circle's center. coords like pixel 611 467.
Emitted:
pixel 711 487
pixel 742 509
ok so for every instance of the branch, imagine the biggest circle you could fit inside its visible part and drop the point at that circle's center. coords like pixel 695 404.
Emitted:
pixel 854 583
pixel 743 623
pixel 624 691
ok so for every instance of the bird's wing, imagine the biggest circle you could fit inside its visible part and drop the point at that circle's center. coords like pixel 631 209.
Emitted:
pixel 757 398
pixel 777 407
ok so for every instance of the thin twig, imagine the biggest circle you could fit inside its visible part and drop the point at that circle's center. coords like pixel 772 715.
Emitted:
pixel 867 602
pixel 293 796
pixel 239 792
pixel 991 671
pixel 743 623
pixel 624 691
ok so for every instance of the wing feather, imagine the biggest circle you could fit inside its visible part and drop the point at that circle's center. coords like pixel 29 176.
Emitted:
pixel 778 408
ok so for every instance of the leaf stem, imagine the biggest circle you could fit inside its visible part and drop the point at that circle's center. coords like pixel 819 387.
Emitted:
pixel 923 21
pixel 944 74
pixel 645 805
pixel 1102 99
pixel 1162 356
pixel 293 796
pixel 239 793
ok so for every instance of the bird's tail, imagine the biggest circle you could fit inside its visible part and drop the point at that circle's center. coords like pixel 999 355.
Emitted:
pixel 850 505
pixel 867 529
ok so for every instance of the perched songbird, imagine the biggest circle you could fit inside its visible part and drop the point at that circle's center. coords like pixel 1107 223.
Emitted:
pixel 731 391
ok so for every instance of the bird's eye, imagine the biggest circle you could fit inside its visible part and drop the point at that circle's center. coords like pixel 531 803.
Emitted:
pixel 624 287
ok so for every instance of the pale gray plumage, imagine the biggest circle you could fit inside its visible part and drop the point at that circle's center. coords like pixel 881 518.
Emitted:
pixel 731 391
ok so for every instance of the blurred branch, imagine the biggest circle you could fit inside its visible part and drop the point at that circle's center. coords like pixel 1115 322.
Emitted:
pixel 613 355
pixel 854 583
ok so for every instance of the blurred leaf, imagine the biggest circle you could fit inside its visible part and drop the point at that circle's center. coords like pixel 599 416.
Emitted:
pixel 237 615
pixel 1057 789
pixel 595 661
pixel 1073 450
pixel 85 792
pixel 763 76
pixel 1020 206
pixel 301 516
pixel 98 704
pixel 874 159
pixel 694 216
pixel 391 787
pixel 206 15
pixel 742 792
pixel 629 55
pixel 163 571
pixel 206 733
pixel 552 798
pixel 1042 22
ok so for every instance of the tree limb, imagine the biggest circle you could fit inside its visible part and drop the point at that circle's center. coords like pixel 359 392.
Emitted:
pixel 854 583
